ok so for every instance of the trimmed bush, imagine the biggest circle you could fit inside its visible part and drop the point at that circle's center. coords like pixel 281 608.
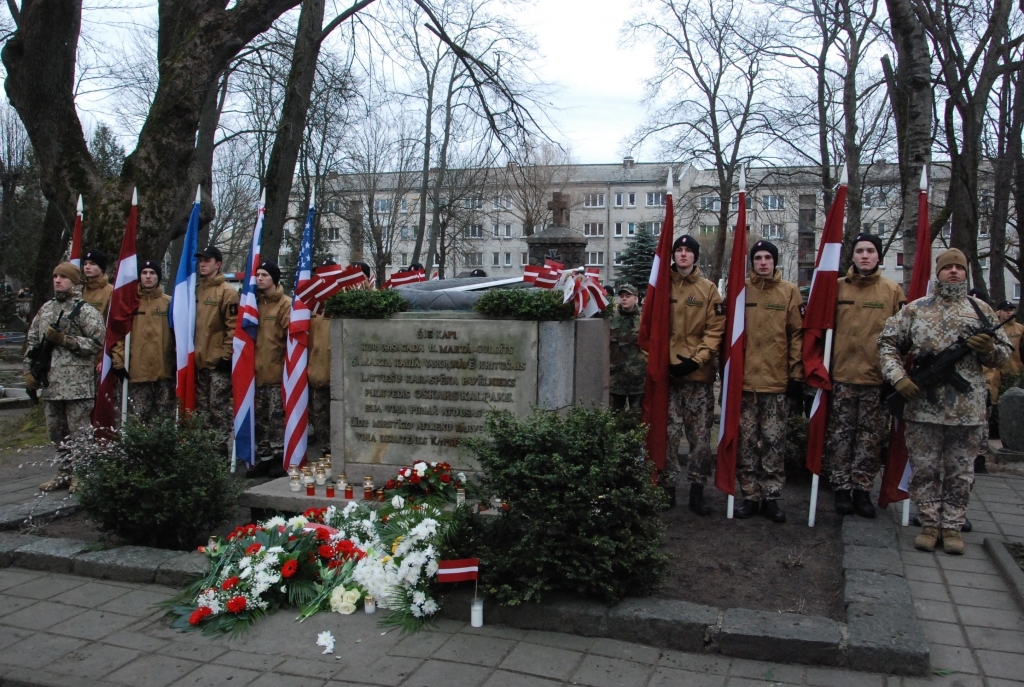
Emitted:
pixel 366 305
pixel 524 304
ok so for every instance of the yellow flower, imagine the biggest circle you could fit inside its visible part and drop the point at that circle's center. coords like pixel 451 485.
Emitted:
pixel 394 547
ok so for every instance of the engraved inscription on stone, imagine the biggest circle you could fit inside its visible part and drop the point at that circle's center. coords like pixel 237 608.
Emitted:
pixel 414 389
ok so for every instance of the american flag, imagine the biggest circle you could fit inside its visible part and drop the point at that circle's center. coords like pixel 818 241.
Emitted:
pixel 243 359
pixel 182 313
pixel 76 237
pixel 295 386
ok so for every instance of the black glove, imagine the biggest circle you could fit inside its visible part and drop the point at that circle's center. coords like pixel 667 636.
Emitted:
pixel 224 365
pixel 795 389
pixel 684 368
pixel 121 373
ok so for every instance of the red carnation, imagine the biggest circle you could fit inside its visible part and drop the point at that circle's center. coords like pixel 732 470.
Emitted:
pixel 446 478
pixel 326 551
pixel 198 615
pixel 415 479
pixel 289 568
pixel 230 583
pixel 236 604
pixel 322 534
pixel 390 484
pixel 253 548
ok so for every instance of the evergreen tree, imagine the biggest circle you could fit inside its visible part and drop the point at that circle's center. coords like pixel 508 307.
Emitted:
pixel 107 153
pixel 637 259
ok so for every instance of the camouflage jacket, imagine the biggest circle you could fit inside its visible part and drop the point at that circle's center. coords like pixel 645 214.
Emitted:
pixel 72 366
pixel 928 325
pixel 628 361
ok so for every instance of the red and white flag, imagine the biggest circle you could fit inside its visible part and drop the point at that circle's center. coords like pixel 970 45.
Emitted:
pixel 295 383
pixel 124 301
pixel 819 321
pixel 459 570
pixel 328 280
pixel 655 329
pixel 406 277
pixel 76 236
pixel 733 350
pixel 896 474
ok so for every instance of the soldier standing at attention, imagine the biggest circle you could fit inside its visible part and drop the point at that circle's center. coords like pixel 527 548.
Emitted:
pixel 857 418
pixel 698 323
pixel 271 347
pixel 216 312
pixel 628 361
pixel 319 375
pixel 70 394
pixel 773 367
pixel 944 427
pixel 97 288
pixel 151 365
pixel 994 376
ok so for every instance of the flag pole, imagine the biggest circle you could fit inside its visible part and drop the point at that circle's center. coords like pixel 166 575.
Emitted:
pixel 124 383
pixel 906 512
pixel 815 478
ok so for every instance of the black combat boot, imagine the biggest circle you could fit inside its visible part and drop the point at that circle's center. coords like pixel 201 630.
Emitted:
pixel 746 509
pixel 967 526
pixel 697 504
pixel 773 511
pixel 844 502
pixel 979 467
pixel 862 503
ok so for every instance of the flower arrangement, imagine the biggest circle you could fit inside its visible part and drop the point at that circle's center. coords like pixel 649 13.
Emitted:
pixel 424 480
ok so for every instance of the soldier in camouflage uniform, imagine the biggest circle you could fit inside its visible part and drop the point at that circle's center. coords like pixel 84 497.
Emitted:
pixel 945 428
pixel 628 361
pixel 216 313
pixel 69 397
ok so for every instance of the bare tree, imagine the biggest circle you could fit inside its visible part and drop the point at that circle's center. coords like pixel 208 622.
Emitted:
pixel 530 177
pixel 14 161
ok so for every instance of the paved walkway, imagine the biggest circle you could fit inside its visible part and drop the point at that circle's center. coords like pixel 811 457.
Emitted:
pixel 66 630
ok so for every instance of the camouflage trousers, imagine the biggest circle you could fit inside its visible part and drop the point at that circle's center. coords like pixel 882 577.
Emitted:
pixel 66 420
pixel 151 400
pixel 320 416
pixel 691 412
pixel 269 422
pixel 856 423
pixel 761 464
pixel 213 397
pixel 942 458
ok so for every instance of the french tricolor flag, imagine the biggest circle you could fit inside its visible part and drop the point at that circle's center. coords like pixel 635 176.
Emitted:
pixel 183 313
pixel 243 359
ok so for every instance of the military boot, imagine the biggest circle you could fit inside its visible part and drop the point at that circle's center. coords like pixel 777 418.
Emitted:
pixel 697 504
pixel 967 526
pixel 979 465
pixel 862 504
pixel 746 509
pixel 773 511
pixel 844 502
pixel 952 542
pixel 927 539
pixel 62 480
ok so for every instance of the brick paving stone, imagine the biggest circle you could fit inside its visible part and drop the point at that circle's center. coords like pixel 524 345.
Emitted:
pixel 445 674
pixel 389 671
pixel 601 671
pixel 928 590
pixel 963 596
pixel 139 602
pixel 1006 619
pixel 997 682
pixel 954 680
pixel 825 677
pixel 1010 508
pixel 482 651
pixel 93 624
pixel 625 650
pixel 935 610
pixel 750 682
pixel 943 633
pixel 983 527
pixel 92 662
pixel 41 615
pixel 135 640
pixel 498 631
pixel 39 649
pixel 1013 533
pixel 975 581
pixel 772 672
pixel 11 578
pixel 972 565
pixel 1002 664
pixel 420 645
pixel 670 677
pixel 193 652
pixel 996 640
pixel 277 680
pixel 503 678
pixel 559 640
pixel 954 658
pixel 699 663
pixel 922 573
pixel 321 669
pixel 12 635
pixel 91 594
pixel 46 586
pixel 10 604
pixel 217 676
pixel 545 661
pixel 245 659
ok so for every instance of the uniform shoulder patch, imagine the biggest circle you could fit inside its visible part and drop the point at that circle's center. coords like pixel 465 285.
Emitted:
pixel 803 310
pixel 719 308
pixel 233 309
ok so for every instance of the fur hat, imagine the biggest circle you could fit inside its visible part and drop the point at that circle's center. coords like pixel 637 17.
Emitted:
pixel 689 242
pixel 950 257
pixel 768 246
pixel 66 269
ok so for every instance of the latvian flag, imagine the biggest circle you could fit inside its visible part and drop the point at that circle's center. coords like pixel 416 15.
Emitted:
pixel 183 313
pixel 124 301
pixel 459 570
pixel 243 359
pixel 406 277
pixel 328 280
pixel 76 237
pixel 295 386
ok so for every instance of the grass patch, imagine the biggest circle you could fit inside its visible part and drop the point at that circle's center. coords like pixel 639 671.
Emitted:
pixel 25 430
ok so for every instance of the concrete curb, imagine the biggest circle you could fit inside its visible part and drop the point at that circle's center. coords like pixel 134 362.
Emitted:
pixel 13 516
pixel 1008 568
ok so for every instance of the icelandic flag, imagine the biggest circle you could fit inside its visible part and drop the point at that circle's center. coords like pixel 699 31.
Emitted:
pixel 243 359
pixel 183 313
pixel 295 386
pixel 76 236
pixel 124 301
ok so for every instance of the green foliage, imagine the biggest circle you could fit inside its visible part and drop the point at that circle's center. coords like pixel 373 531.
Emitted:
pixel 637 259
pixel 525 304
pixel 367 305
pixel 158 484
pixel 581 511
pixel 107 153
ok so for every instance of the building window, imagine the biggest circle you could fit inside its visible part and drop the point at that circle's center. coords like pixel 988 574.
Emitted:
pixel 508 231
pixel 414 206
pixel 499 203
pixel 404 206
pixel 496 259
pixel 382 205
pixel 656 228
pixel 771 231
pixel 618 228
pixel 524 259
pixel 473 203
pixel 593 229
pixel 631 200
pixel 708 229
pixel 405 258
pixel 984 263
pixel 474 259
pixel 405 232
pixel 593 200
pixel 474 231
pixel 899 259
pixel 734 203
pixel 618 258
pixel 656 199
pixel 710 203
pixel 508 259
pixel 772 202
pixel 595 258
pixel 333 233
pixel 1016 291
pixel 618 200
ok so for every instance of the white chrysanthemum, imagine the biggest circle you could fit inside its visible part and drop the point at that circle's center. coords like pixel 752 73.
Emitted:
pixel 418 597
pixel 430 607
pixel 326 640
pixel 397 502
pixel 275 549
pixel 274 522
pixel 297 522
pixel 461 477
pixel 352 505
pixel 431 568
pixel 245 562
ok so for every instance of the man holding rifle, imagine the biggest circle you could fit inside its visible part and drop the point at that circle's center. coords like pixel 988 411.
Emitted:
pixel 950 336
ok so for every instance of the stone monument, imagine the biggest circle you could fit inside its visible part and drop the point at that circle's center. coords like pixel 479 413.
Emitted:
pixel 557 241
pixel 1011 428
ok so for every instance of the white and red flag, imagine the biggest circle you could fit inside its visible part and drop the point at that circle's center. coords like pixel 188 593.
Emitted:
pixel 733 350
pixel 76 236
pixel 818 326
pixel 328 280
pixel 655 329
pixel 295 386
pixel 243 358
pixel 460 570
pixel 896 474
pixel 183 313
pixel 406 277
pixel 124 301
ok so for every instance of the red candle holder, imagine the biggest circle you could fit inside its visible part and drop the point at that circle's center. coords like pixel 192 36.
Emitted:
pixel 311 489
pixel 349 494
pixel 330 490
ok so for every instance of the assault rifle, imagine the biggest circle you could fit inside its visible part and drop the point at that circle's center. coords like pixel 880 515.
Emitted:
pixel 40 355
pixel 932 370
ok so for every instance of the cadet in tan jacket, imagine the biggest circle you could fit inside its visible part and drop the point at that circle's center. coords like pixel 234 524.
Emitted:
pixel 216 312
pixel 698 323
pixel 271 348
pixel 857 418
pixel 96 288
pixel 772 369
pixel 151 366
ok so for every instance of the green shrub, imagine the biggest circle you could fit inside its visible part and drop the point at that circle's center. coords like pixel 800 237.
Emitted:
pixel 367 305
pixel 159 484
pixel 581 507
pixel 527 304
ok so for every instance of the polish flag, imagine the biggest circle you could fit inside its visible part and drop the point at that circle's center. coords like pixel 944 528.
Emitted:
pixel 459 570
pixel 896 473
pixel 76 236
pixel 655 328
pixel 183 313
pixel 819 322
pixel 124 301
pixel 733 349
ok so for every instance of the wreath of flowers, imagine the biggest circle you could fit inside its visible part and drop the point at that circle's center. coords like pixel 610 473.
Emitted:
pixel 425 480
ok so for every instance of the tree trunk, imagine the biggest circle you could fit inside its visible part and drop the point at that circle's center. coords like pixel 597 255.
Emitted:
pixel 1002 168
pixel 442 172
pixel 290 128
pixel 421 226
pixel 55 236
pixel 851 145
